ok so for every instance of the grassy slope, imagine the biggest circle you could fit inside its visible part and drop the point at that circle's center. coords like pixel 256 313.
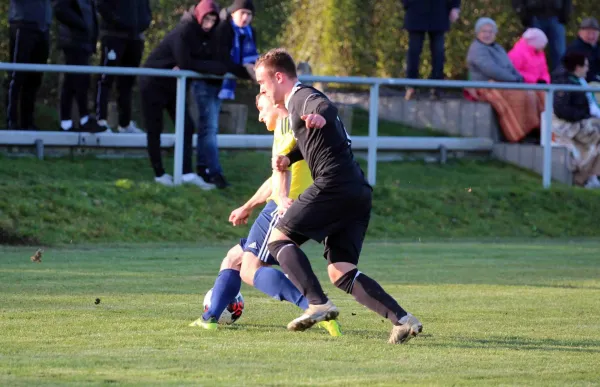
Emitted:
pixel 494 314
pixel 63 201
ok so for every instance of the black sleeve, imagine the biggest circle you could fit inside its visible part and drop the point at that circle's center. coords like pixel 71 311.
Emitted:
pixel 565 12
pixel 107 9
pixel 454 4
pixel 521 10
pixel 295 155
pixel 316 103
pixel 564 109
pixel 67 16
pixel 184 60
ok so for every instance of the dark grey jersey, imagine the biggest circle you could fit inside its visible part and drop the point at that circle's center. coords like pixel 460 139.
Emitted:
pixel 327 150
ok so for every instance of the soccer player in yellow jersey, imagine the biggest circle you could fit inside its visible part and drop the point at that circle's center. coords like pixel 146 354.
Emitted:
pixel 250 260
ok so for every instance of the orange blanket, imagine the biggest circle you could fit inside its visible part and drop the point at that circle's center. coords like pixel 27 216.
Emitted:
pixel 519 111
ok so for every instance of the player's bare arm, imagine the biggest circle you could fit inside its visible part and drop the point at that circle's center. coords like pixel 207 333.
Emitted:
pixel 240 215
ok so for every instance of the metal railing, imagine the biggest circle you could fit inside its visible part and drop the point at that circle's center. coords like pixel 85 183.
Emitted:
pixel 375 83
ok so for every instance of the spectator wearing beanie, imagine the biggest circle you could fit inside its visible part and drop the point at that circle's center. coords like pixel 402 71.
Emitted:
pixel 187 47
pixel 236 45
pixel 528 56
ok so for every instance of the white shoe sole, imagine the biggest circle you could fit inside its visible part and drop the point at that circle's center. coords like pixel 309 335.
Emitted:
pixel 305 322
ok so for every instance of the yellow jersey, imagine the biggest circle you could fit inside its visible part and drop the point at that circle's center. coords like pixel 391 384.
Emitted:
pixel 283 142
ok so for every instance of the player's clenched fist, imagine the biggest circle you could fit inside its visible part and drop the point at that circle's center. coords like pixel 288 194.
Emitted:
pixel 280 163
pixel 239 216
pixel 316 121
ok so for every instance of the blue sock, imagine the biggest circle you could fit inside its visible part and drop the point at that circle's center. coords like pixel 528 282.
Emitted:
pixel 226 287
pixel 274 283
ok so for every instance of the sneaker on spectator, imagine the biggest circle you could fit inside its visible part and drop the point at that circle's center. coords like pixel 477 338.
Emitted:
pixel 131 128
pixel 194 179
pixel 202 171
pixel 104 125
pixel 166 180
pixel 593 183
pixel 219 181
pixel 91 126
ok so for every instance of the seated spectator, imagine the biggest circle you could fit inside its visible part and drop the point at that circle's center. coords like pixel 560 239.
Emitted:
pixel 587 43
pixel 576 121
pixel 529 58
pixel 518 111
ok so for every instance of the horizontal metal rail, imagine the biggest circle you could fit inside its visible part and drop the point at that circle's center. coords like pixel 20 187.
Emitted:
pixel 375 83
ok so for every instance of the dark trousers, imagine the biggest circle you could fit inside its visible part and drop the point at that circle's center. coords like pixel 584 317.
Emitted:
pixel 555 31
pixel 157 98
pixel 209 106
pixel 415 47
pixel 118 52
pixel 75 86
pixel 26 46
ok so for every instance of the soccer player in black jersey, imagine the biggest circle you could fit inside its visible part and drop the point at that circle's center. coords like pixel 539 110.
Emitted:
pixel 334 210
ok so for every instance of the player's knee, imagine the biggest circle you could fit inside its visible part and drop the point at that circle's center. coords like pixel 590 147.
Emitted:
pixel 233 259
pixel 345 281
pixel 275 247
pixel 277 235
pixel 250 264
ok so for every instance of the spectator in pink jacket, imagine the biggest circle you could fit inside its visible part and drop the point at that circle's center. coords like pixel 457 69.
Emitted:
pixel 529 58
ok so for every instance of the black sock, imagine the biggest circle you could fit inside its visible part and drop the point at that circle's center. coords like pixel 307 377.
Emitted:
pixel 296 265
pixel 370 294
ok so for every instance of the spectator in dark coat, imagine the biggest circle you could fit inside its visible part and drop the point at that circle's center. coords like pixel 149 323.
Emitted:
pixel 587 43
pixel 235 44
pixel 29 43
pixel 187 47
pixel 549 16
pixel 77 37
pixel 122 27
pixel 432 17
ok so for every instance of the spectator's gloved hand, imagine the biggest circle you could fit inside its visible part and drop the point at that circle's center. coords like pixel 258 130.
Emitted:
pixel 542 81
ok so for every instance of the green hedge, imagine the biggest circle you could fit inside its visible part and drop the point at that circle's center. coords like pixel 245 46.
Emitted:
pixel 352 37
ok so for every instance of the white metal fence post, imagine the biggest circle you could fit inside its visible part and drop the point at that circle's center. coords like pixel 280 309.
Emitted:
pixel 373 121
pixel 547 138
pixel 179 130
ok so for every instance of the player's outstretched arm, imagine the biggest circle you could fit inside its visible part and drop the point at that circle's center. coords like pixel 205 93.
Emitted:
pixel 314 121
pixel 240 215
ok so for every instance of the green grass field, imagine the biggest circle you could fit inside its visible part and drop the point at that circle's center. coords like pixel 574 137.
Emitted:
pixel 505 313
pixel 63 201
